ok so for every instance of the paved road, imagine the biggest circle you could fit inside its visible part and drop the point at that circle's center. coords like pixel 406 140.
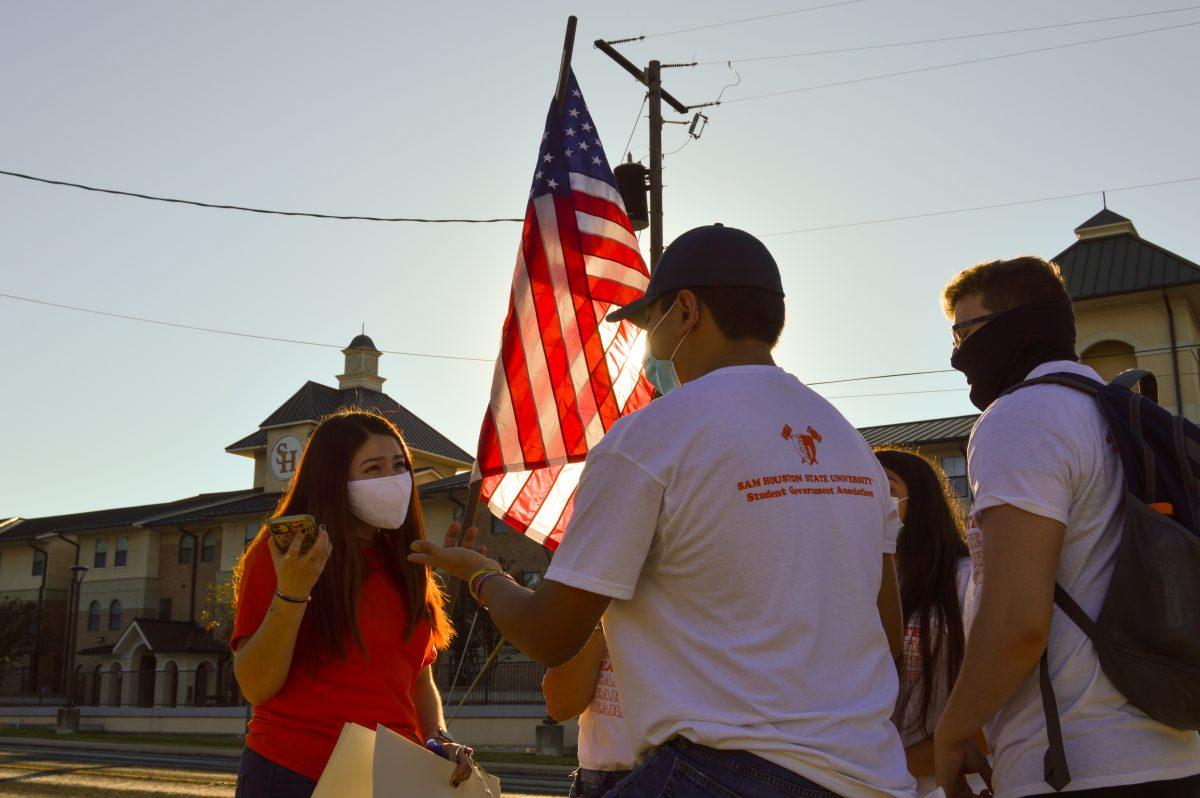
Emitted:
pixel 33 772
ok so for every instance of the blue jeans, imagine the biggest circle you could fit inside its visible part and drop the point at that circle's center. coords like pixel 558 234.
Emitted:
pixel 595 783
pixel 683 769
pixel 259 777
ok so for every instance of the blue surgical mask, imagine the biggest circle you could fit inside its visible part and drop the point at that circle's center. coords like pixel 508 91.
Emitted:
pixel 661 373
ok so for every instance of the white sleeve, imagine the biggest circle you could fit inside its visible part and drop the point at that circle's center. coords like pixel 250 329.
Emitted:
pixel 1020 458
pixel 891 525
pixel 616 514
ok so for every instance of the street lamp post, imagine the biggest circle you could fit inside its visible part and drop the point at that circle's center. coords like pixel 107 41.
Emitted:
pixel 68 716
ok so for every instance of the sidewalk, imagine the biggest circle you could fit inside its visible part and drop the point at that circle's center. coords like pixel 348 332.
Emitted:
pixel 496 763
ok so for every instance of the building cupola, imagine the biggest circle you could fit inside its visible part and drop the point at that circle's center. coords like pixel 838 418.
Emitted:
pixel 362 365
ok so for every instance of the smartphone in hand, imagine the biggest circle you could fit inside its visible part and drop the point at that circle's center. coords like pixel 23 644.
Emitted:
pixel 284 528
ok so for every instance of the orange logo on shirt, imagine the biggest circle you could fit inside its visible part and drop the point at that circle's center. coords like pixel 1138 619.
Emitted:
pixel 805 443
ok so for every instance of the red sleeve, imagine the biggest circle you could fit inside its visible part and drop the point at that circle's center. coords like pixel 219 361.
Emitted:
pixel 255 592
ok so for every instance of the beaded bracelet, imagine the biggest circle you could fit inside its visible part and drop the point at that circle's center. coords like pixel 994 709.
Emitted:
pixel 293 599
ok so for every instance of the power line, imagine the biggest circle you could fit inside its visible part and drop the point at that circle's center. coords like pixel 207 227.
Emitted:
pixel 896 393
pixel 227 332
pixel 734 22
pixel 955 64
pixel 196 328
pixel 228 207
pixel 961 37
pixel 975 208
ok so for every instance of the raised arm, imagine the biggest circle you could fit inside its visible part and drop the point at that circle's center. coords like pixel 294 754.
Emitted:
pixel 261 662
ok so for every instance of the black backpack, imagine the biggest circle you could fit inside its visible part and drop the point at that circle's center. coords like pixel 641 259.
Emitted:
pixel 1148 634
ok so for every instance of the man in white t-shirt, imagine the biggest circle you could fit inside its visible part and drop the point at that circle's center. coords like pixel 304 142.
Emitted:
pixel 586 687
pixel 1047 486
pixel 739 533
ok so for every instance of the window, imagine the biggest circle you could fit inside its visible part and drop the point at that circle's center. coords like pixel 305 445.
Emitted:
pixel 94 616
pixel 956 470
pixel 164 609
pixel 39 562
pixel 208 547
pixel 114 616
pixel 187 548
pixel 251 534
pixel 121 555
pixel 101 558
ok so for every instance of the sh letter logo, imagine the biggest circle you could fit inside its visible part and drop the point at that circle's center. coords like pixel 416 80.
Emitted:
pixel 805 443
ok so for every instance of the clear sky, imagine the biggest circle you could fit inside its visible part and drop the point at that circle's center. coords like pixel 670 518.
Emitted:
pixel 387 108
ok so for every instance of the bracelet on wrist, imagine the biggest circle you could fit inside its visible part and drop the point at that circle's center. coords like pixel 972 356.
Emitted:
pixel 473 579
pixel 482 580
pixel 293 599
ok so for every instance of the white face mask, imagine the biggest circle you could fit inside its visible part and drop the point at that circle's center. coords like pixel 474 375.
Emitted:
pixel 381 502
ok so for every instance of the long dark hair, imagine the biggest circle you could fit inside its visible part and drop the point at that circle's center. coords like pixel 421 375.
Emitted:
pixel 927 555
pixel 318 488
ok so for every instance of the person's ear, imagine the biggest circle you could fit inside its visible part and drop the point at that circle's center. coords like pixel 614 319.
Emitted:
pixel 689 307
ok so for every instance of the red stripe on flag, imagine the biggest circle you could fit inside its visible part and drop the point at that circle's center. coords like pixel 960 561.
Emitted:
pixel 595 206
pixel 546 305
pixel 613 250
pixel 589 335
pixel 613 293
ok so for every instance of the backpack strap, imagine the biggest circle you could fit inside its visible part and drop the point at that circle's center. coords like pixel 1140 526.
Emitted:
pixel 1056 772
pixel 1063 378
pixel 1054 764
pixel 1130 378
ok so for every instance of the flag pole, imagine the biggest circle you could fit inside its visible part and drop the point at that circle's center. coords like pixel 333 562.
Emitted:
pixel 471 509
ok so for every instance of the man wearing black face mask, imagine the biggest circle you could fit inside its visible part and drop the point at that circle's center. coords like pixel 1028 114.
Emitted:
pixel 1047 489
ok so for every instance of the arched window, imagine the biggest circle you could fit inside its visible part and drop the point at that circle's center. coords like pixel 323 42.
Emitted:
pixel 114 616
pixel 1109 358
pixel 101 558
pixel 94 616
pixel 121 555
pixel 208 547
pixel 187 549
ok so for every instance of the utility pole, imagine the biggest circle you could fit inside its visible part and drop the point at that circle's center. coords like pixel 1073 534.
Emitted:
pixel 654 78
pixel 651 78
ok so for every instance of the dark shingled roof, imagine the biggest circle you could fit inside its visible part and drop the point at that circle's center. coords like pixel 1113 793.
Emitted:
pixel 174 637
pixel 314 400
pixel 456 482
pixel 250 505
pixel 1120 263
pixel 1103 219
pixel 921 433
pixel 363 342
pixel 30 528
pixel 255 440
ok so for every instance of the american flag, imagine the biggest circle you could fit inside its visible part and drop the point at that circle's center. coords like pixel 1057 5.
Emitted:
pixel 564 374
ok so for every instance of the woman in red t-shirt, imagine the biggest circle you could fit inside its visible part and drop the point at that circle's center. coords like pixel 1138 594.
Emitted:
pixel 347 631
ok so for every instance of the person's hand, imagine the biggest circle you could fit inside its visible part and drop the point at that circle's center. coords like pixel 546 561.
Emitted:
pixel 296 573
pixel 459 561
pixel 461 755
pixel 953 760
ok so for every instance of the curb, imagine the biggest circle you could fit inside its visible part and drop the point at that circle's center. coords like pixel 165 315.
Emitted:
pixel 137 748
pixel 234 754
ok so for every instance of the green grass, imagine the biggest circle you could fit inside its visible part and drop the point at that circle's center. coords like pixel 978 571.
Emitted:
pixel 209 740
pixel 510 758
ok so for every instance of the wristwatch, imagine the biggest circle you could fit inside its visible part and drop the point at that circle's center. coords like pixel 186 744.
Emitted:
pixel 443 736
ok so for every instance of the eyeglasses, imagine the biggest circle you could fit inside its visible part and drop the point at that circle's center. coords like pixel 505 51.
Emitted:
pixel 959 330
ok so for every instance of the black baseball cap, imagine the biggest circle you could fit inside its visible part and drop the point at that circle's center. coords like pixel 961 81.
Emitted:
pixel 714 256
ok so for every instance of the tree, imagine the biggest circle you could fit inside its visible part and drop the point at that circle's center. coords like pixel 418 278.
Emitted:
pixel 217 616
pixel 18 631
